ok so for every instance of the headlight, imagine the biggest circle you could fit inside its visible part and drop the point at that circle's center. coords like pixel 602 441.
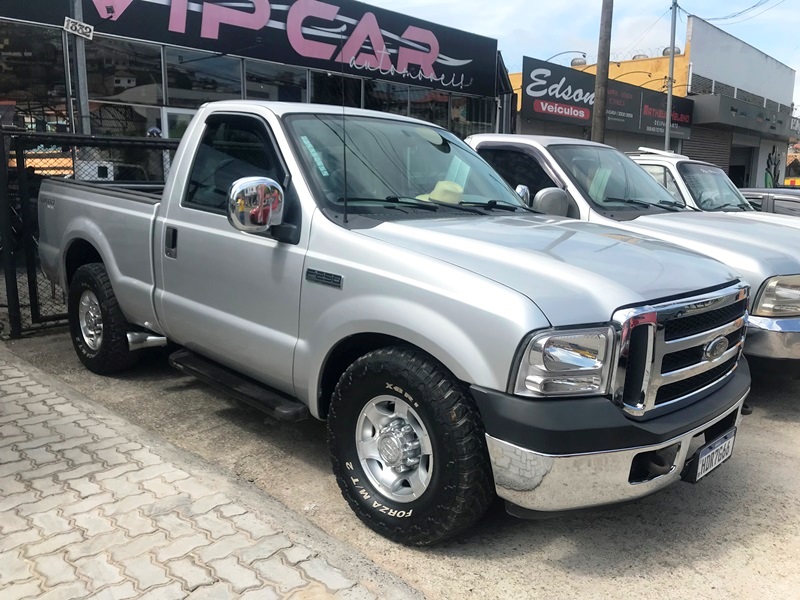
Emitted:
pixel 566 363
pixel 780 298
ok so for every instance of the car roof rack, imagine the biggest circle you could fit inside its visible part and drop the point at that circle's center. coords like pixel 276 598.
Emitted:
pixel 669 153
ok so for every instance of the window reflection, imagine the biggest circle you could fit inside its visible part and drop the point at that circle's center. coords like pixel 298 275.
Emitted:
pixel 326 88
pixel 386 97
pixel 430 105
pixel 267 81
pixel 194 78
pixel 124 71
pixel 32 79
pixel 123 119
pixel 469 116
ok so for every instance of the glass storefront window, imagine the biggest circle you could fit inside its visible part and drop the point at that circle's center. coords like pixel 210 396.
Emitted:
pixel 430 105
pixel 267 81
pixel 194 78
pixel 124 71
pixel 469 116
pixel 386 97
pixel 32 78
pixel 123 119
pixel 326 88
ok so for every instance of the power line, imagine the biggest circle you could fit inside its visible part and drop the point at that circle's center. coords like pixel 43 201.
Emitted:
pixel 734 15
pixel 757 14
pixel 648 30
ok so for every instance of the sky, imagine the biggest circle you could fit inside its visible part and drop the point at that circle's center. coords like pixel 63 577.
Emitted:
pixel 541 29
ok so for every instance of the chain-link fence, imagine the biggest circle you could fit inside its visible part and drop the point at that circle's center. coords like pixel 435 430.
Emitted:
pixel 30 301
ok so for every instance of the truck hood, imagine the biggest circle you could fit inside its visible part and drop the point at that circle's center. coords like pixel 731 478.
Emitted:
pixel 575 272
pixel 756 245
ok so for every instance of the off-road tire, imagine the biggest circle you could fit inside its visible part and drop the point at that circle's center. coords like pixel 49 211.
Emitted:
pixel 461 487
pixel 113 355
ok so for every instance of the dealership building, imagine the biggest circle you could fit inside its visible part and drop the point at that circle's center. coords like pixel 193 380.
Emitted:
pixel 151 63
pixel 558 100
pixel 738 100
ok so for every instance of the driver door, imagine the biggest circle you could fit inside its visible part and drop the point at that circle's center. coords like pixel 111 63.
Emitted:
pixel 225 294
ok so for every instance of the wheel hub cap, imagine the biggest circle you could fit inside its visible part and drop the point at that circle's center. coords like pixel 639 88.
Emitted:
pixel 394 448
pixel 90 319
pixel 398 446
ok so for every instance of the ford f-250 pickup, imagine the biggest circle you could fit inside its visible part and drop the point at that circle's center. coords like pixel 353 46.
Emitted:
pixel 597 183
pixel 373 271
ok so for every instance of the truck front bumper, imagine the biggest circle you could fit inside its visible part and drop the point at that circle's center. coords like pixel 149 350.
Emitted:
pixel 572 454
pixel 773 338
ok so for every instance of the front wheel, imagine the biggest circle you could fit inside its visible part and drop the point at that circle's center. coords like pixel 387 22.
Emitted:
pixel 97 326
pixel 408 447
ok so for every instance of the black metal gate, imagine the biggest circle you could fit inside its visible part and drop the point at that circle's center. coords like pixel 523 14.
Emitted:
pixel 32 302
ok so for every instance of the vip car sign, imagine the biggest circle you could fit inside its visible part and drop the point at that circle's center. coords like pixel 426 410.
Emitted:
pixel 333 35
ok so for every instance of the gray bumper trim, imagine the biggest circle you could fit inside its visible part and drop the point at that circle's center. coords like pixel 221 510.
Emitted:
pixel 548 483
pixel 773 338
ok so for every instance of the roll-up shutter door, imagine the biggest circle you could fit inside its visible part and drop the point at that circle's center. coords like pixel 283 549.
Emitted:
pixel 709 145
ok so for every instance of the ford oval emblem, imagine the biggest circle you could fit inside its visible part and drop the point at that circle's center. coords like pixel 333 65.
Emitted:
pixel 715 348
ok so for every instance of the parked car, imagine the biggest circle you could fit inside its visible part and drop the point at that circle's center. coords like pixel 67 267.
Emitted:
pixel 594 182
pixel 457 344
pixel 782 201
pixel 697 184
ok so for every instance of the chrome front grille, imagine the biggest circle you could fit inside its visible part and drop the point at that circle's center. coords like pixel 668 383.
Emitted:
pixel 673 354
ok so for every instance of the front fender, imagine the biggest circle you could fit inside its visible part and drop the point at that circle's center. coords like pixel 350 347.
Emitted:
pixel 474 348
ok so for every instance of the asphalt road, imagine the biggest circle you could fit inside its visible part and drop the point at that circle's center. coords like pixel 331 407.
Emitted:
pixel 736 534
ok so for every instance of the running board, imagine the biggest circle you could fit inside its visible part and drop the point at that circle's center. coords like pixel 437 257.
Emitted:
pixel 242 388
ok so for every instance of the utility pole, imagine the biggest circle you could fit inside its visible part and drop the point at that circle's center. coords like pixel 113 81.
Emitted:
pixel 601 80
pixel 81 84
pixel 668 127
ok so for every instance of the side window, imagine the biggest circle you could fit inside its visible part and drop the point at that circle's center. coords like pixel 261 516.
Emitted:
pixel 787 206
pixel 663 176
pixel 518 168
pixel 755 201
pixel 232 147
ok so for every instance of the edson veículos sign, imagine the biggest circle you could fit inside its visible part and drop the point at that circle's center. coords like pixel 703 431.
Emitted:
pixel 556 93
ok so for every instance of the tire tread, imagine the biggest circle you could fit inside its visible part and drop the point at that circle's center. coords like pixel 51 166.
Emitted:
pixel 474 491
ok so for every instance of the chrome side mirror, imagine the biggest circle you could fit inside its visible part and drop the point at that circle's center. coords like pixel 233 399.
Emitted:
pixel 255 204
pixel 552 201
pixel 525 193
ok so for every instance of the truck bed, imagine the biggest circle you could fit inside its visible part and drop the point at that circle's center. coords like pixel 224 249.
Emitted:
pixel 118 222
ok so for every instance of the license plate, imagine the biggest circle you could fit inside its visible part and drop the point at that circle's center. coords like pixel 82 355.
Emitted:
pixel 714 454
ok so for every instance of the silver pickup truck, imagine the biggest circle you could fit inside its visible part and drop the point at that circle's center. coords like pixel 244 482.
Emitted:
pixel 596 183
pixel 373 271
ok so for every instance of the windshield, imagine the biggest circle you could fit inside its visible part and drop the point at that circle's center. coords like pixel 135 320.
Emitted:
pixel 405 166
pixel 611 180
pixel 711 188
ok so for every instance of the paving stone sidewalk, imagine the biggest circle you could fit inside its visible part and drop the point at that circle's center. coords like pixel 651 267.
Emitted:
pixel 91 507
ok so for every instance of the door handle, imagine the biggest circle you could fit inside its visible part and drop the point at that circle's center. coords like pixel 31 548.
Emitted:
pixel 171 243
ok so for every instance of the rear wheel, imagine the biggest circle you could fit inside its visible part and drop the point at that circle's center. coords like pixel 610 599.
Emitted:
pixel 97 326
pixel 408 447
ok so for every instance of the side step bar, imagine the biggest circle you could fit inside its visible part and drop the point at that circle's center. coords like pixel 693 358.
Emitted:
pixel 242 388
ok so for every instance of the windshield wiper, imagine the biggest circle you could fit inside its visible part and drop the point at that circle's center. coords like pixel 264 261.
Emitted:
pixel 501 205
pixel 677 206
pixel 637 202
pixel 729 205
pixel 395 200
pixel 418 202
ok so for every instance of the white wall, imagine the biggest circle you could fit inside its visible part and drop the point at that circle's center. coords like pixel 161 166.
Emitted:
pixel 720 56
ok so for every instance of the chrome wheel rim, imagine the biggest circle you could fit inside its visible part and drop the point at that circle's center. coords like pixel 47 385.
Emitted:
pixel 394 449
pixel 90 319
